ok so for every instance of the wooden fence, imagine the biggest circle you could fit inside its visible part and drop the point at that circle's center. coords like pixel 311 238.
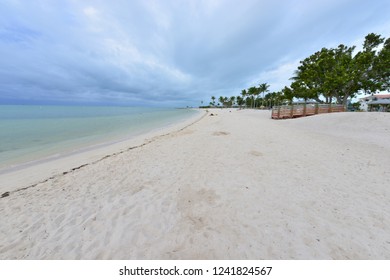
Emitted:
pixel 295 111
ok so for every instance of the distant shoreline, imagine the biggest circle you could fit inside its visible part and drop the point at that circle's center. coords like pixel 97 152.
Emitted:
pixel 61 162
pixel 62 119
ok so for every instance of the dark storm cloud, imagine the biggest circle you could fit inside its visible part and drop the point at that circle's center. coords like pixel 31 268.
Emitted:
pixel 167 52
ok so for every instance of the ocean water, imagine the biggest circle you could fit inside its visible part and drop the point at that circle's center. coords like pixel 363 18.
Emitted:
pixel 30 133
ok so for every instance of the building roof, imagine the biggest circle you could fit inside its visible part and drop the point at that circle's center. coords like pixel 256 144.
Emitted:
pixel 382 96
pixel 379 102
pixel 375 96
pixel 302 101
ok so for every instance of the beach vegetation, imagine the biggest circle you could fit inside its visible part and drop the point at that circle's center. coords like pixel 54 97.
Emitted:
pixel 330 75
pixel 262 89
pixel 212 103
pixel 253 92
pixel 338 74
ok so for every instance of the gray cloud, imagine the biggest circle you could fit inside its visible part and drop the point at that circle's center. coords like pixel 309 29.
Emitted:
pixel 166 52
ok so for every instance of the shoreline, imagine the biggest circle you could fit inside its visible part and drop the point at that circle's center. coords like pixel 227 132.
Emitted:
pixel 54 132
pixel 235 185
pixel 74 159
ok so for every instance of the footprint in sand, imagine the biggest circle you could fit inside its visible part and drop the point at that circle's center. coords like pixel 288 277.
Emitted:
pixel 219 133
pixel 256 153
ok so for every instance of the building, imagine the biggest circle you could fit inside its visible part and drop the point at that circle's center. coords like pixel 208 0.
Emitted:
pixel 379 105
pixel 302 101
pixel 375 102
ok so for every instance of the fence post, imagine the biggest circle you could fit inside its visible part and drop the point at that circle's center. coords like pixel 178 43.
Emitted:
pixel 279 112
pixel 292 111
pixel 316 109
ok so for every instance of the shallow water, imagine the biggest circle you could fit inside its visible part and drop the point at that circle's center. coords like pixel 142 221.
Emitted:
pixel 29 133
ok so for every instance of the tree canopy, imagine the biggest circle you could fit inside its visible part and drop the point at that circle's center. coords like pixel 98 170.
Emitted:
pixel 338 73
pixel 327 76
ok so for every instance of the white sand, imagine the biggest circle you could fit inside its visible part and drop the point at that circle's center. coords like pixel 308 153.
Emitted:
pixel 233 186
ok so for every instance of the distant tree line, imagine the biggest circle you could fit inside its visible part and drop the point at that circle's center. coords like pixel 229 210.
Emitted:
pixel 328 76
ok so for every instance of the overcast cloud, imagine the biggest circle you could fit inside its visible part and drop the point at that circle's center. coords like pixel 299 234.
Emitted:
pixel 167 53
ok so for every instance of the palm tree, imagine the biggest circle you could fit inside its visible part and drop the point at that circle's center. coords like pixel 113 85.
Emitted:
pixel 244 93
pixel 240 101
pixel 213 100
pixel 221 99
pixel 263 88
pixel 268 99
pixel 256 93
pixel 225 101
pixel 232 100
pixel 252 91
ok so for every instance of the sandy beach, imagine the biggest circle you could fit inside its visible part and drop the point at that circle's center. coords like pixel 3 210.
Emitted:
pixel 235 185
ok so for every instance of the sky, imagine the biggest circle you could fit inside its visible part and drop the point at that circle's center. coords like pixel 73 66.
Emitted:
pixel 167 52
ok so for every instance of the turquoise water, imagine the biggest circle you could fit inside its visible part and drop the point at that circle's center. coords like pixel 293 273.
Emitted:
pixel 29 133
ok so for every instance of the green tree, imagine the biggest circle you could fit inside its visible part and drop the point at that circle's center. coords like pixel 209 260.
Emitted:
pixel 301 90
pixel 221 100
pixel 244 94
pixel 377 60
pixel 274 98
pixel 232 100
pixel 212 100
pixel 263 88
pixel 252 91
pixel 311 76
pixel 381 66
pixel 287 94
pixel 338 74
pixel 240 101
